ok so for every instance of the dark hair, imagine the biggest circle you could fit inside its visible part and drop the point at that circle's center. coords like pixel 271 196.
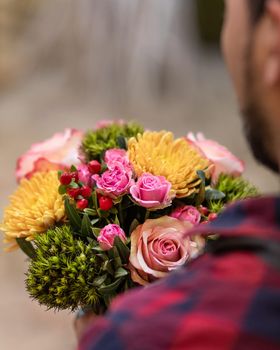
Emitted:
pixel 256 8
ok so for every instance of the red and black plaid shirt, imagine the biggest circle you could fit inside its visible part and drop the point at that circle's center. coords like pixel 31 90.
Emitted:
pixel 229 298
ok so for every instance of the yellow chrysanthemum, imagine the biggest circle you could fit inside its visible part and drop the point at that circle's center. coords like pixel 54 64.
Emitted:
pixel 34 207
pixel 159 154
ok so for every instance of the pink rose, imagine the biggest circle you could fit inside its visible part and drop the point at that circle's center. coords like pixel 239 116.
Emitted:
pixel 158 247
pixel 187 213
pixel 152 192
pixel 84 174
pixel 105 123
pixel 114 182
pixel 117 155
pixel 59 152
pixel 108 234
pixel 224 161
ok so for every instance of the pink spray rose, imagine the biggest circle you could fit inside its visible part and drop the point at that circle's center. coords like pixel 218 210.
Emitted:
pixel 159 246
pixel 187 213
pixel 117 155
pixel 152 192
pixel 224 161
pixel 114 182
pixel 84 174
pixel 59 152
pixel 108 234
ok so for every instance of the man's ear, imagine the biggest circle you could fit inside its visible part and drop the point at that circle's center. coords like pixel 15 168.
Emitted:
pixel 272 61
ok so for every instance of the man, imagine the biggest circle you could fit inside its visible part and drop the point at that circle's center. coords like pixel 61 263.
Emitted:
pixel 229 298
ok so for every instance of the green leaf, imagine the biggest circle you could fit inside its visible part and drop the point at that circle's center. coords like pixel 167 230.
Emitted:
pixel 104 166
pixel 94 221
pixel 90 212
pixel 115 257
pixel 121 272
pixel 98 249
pixel 102 256
pixel 114 210
pixel 117 200
pixel 103 213
pixel 117 262
pixel 201 194
pixel 96 231
pixel 107 266
pixel 116 221
pixel 133 226
pixel 86 226
pixel 214 195
pixel 95 201
pixel 73 168
pixel 26 247
pixel 201 175
pixel 59 173
pixel 73 184
pixel 121 142
pixel 62 189
pixel 110 288
pixel 72 214
pixel 123 250
pixel 98 281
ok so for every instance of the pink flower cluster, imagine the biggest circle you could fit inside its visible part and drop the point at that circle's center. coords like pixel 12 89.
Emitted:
pixel 187 213
pixel 108 234
pixel 117 180
pixel 152 192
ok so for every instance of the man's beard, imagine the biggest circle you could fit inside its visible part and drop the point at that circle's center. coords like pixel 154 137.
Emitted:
pixel 256 124
pixel 258 137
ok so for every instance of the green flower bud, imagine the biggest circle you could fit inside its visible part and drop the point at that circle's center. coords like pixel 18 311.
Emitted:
pixel 61 275
pixel 97 142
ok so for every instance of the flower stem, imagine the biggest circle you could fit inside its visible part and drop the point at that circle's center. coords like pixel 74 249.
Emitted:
pixel 120 214
pixel 147 215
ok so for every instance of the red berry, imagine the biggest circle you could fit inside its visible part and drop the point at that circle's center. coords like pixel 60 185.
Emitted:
pixel 212 217
pixel 86 191
pixel 65 179
pixel 105 203
pixel 94 167
pixel 204 211
pixel 82 204
pixel 75 176
pixel 98 195
pixel 74 192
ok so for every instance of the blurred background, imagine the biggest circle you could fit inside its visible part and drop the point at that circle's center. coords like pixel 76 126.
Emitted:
pixel 69 63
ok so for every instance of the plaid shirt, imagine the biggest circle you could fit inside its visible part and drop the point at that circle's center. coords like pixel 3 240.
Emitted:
pixel 228 298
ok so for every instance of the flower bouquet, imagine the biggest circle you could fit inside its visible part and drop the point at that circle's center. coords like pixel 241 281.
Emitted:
pixel 101 212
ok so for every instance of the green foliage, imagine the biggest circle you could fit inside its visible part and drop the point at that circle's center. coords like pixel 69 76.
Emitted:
pixel 68 273
pixel 234 189
pixel 96 142
pixel 62 273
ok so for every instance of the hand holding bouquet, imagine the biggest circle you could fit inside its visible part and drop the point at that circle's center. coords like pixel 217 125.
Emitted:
pixel 102 212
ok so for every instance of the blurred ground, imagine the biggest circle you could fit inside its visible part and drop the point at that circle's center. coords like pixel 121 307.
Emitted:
pixel 47 101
